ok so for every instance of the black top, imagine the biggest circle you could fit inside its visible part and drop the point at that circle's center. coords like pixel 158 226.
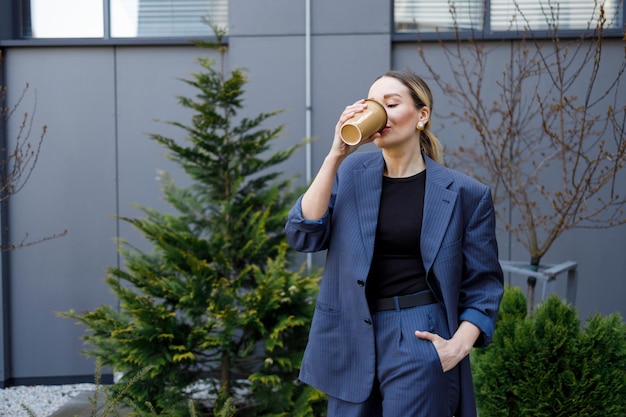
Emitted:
pixel 397 267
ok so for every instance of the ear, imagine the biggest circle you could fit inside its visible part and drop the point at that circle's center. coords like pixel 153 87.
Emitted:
pixel 424 115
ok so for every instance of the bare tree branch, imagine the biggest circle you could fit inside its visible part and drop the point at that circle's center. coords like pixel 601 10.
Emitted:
pixel 18 162
pixel 551 156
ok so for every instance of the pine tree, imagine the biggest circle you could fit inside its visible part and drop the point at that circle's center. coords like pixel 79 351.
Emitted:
pixel 214 300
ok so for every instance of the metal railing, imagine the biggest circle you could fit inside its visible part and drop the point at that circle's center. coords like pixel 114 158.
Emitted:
pixel 547 274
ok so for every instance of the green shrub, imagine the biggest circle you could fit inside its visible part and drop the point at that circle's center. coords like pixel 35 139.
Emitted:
pixel 549 365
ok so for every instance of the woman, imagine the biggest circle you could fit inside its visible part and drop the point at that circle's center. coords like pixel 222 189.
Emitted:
pixel 412 280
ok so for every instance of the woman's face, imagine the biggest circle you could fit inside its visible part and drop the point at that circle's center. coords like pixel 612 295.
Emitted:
pixel 402 116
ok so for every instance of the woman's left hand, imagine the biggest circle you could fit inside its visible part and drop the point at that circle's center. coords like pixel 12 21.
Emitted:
pixel 449 352
pixel 452 351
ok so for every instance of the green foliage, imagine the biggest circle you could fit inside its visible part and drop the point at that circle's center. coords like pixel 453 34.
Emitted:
pixel 549 366
pixel 214 300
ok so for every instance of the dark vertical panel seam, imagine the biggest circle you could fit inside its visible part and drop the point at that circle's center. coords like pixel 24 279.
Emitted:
pixel 22 22
pixel 5 248
pixel 106 19
pixel 487 18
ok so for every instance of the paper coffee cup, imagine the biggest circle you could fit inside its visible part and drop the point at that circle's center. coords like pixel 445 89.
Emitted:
pixel 364 124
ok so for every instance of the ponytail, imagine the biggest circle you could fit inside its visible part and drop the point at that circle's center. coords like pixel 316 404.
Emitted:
pixel 431 145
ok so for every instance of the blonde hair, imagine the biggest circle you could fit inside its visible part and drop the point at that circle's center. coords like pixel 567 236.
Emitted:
pixel 422 97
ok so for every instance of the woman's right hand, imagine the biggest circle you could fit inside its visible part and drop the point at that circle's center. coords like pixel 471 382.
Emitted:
pixel 339 148
pixel 314 203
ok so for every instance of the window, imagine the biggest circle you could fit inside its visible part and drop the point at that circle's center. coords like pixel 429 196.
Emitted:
pixel 66 19
pixel 540 14
pixel 125 19
pixel 426 15
pixel 492 16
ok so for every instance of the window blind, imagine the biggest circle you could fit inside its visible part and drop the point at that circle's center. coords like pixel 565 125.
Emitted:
pixel 426 15
pixel 180 17
pixel 504 15
pixel 544 14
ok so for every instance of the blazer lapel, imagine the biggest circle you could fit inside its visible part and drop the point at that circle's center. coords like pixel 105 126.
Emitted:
pixel 439 204
pixel 369 182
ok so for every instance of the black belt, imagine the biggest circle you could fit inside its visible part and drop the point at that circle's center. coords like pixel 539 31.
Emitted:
pixel 404 301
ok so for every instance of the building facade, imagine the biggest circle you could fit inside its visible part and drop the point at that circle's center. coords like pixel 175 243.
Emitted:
pixel 102 88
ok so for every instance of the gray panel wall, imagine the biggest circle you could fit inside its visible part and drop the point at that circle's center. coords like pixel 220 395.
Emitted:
pixel 73 189
pixel 100 104
pixel 92 165
pixel 147 83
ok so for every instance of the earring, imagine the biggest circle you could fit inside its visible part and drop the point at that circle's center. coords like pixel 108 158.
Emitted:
pixel 420 126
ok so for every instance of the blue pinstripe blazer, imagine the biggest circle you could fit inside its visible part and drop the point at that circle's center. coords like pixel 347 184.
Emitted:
pixel 460 256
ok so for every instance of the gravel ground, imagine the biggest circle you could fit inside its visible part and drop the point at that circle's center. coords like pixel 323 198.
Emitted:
pixel 43 400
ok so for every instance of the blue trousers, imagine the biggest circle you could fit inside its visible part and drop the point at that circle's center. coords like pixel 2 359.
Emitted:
pixel 410 381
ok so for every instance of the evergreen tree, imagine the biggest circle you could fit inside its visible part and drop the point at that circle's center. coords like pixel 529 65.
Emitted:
pixel 214 300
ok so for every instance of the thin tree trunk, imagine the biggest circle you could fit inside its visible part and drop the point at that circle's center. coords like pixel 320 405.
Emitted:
pixel 225 375
pixel 532 282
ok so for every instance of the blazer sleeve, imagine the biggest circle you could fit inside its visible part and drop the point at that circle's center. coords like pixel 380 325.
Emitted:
pixel 482 285
pixel 306 235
